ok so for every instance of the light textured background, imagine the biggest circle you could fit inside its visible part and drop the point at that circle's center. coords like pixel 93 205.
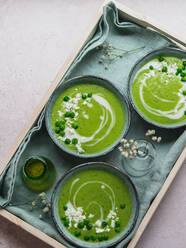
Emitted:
pixel 35 39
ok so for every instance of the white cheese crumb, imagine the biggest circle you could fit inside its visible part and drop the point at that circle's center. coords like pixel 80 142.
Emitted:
pixel 90 216
pixel 75 225
pixel 74 214
pixel 112 224
pixel 59 113
pixel 89 105
pixel 98 223
pixel 79 148
pixel 111 214
pixel 99 230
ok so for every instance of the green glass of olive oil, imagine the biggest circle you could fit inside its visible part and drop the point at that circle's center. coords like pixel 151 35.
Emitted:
pixel 38 173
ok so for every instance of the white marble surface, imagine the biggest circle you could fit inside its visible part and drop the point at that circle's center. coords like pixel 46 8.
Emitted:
pixel 35 39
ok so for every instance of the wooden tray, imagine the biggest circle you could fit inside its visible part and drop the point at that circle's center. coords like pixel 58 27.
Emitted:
pixel 125 14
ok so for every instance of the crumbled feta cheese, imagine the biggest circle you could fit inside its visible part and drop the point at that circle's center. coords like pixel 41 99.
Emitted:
pixel 99 230
pixel 112 224
pixel 172 68
pixel 59 113
pixel 76 225
pixel 74 214
pixel 111 214
pixel 89 105
pixel 90 216
pixel 98 223
pixel 79 148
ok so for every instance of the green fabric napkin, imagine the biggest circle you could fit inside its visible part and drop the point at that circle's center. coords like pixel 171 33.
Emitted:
pixel 123 35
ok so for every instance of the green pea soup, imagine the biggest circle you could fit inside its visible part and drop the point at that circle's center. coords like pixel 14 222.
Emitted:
pixel 159 90
pixel 95 205
pixel 87 118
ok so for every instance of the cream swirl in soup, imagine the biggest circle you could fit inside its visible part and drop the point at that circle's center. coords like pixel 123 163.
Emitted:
pixel 87 118
pixel 159 90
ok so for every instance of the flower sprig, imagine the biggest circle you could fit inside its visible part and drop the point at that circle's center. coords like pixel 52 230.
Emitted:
pixel 40 201
pixel 111 53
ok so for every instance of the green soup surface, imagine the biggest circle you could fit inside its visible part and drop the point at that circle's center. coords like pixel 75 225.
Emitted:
pixel 95 205
pixel 87 118
pixel 159 90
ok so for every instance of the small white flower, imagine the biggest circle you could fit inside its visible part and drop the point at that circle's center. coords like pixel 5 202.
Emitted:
pixel 158 139
pixel 131 157
pixel 154 138
pixel 120 149
pixel 126 145
pixel 45 210
pixel 150 132
pixel 123 141
pixel 125 154
pixel 42 195
pixel 40 217
pixel 133 147
pixel 135 143
pixel 131 152
pixel 131 141
pixel 33 203
pixel 134 152
pixel 44 202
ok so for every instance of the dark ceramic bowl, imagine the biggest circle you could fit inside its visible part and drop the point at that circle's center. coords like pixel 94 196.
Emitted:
pixel 121 236
pixel 80 80
pixel 167 51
